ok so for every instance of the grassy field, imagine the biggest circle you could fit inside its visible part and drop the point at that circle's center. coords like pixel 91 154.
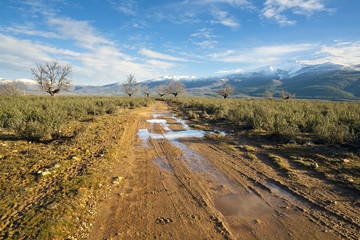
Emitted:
pixel 319 136
pixel 325 122
pixel 53 153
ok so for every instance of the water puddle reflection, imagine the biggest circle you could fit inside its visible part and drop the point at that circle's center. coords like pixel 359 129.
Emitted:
pixel 245 205
pixel 195 161
pixel 163 164
pixel 284 194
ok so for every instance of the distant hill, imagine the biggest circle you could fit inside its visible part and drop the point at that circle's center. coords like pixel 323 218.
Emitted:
pixel 322 81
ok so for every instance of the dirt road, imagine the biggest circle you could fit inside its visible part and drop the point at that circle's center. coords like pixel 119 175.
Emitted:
pixel 171 182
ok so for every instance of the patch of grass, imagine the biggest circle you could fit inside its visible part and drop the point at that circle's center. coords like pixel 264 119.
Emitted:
pixel 326 122
pixel 200 127
pixel 49 190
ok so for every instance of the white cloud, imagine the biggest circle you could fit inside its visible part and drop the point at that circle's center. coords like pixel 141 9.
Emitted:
pixel 263 54
pixel 203 33
pixel 222 17
pixel 276 10
pixel 80 31
pixel 156 55
pixel 128 7
pixel 18 29
pixel 227 71
pixel 160 64
pixel 207 43
pixel 346 53
pixel 103 64
pixel 237 3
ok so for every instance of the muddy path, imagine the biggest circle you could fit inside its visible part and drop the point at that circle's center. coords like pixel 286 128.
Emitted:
pixel 171 182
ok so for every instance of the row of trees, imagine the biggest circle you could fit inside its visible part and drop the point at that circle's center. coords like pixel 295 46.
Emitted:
pixel 53 77
pixel 131 86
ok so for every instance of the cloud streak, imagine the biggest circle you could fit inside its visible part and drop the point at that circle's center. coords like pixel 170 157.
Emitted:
pixel 156 55
pixel 263 54
pixel 278 10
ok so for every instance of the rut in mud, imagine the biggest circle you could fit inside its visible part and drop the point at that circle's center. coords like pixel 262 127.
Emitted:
pixel 174 183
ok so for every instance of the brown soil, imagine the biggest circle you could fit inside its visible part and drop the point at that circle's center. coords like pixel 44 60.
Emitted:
pixel 201 188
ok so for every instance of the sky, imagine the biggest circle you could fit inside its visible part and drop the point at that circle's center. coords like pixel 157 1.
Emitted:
pixel 106 40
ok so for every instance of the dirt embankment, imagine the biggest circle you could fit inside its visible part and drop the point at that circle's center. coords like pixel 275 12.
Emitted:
pixel 172 182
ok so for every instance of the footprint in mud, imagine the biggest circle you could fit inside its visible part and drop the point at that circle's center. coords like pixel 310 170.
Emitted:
pixel 163 221
pixel 219 226
pixel 195 217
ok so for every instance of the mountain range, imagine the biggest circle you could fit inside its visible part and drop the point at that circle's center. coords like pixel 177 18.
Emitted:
pixel 321 81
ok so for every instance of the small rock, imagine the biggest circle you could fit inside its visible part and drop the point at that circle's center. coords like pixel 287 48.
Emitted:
pixel 116 180
pixel 257 221
pixel 345 160
pixel 307 144
pixel 47 172
pixel 349 180
pixel 315 165
pixel 292 141
pixel 75 158
pixel 57 165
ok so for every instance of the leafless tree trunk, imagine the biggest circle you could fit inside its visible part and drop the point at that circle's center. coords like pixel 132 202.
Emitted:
pixel 130 85
pixel 146 90
pixel 11 88
pixel 52 77
pixel 268 94
pixel 176 88
pixel 226 91
pixel 162 90
pixel 287 95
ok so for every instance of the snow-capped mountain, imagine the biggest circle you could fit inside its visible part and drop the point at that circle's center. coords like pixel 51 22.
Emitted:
pixel 173 77
pixel 289 67
pixel 20 80
pixel 319 81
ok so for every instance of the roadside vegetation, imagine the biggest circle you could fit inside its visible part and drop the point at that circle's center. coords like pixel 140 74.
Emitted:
pixel 53 155
pixel 41 118
pixel 321 121
pixel 318 136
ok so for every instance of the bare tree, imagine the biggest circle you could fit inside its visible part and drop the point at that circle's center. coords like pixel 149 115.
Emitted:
pixel 162 90
pixel 130 85
pixel 176 88
pixel 268 94
pixel 52 77
pixel 11 88
pixel 146 90
pixel 287 95
pixel 226 90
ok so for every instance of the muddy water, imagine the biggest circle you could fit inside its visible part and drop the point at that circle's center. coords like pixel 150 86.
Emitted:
pixel 248 211
pixel 196 162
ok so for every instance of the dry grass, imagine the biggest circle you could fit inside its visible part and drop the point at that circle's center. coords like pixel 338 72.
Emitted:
pixel 50 189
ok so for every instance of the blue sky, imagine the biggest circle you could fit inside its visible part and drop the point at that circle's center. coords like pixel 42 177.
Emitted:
pixel 106 40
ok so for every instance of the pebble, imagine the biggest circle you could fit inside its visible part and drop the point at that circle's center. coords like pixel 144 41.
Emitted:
pixel 349 179
pixel 307 144
pixel 315 165
pixel 117 180
pixel 345 160
pixel 47 172
pixel 292 141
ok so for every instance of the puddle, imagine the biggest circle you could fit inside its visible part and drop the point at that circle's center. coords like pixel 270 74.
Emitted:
pixel 157 115
pixel 193 160
pixel 244 205
pixel 285 194
pixel 163 163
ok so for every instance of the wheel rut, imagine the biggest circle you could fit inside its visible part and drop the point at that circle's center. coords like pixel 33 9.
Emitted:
pixel 179 185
